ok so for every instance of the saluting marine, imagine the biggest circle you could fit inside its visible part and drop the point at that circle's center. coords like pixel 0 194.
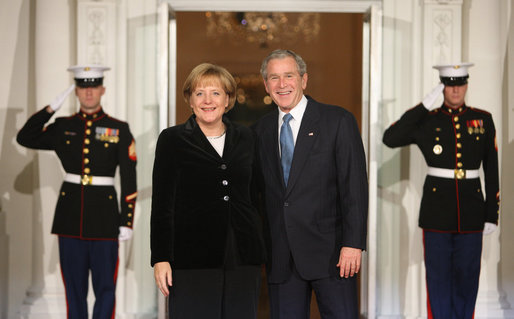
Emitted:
pixel 90 145
pixel 455 140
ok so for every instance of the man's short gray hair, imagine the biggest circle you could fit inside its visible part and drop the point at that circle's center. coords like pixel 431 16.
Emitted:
pixel 281 54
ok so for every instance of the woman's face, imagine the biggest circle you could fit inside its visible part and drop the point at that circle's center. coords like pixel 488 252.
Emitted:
pixel 209 101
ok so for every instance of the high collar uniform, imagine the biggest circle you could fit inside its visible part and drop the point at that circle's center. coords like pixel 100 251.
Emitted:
pixel 461 139
pixel 88 145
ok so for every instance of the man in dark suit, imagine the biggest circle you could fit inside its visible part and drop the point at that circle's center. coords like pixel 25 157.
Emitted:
pixel 455 140
pixel 316 199
pixel 90 145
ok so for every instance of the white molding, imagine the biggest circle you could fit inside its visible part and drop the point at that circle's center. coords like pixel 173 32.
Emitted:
pixel 275 5
pixel 97 42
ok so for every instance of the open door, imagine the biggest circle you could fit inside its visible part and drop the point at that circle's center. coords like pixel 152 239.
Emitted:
pixel 371 94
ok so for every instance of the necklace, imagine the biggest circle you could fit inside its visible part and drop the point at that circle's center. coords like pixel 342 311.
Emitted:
pixel 216 137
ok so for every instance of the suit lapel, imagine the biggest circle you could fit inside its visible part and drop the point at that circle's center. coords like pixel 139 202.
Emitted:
pixel 309 131
pixel 198 140
pixel 270 138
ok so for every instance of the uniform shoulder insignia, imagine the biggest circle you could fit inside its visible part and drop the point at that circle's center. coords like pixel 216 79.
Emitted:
pixel 132 151
pixel 479 110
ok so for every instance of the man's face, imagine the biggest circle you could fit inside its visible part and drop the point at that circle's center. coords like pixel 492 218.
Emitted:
pixel 284 83
pixel 89 98
pixel 454 95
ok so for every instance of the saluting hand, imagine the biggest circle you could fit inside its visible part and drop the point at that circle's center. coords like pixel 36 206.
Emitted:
pixel 430 98
pixel 163 278
pixel 59 99
pixel 349 261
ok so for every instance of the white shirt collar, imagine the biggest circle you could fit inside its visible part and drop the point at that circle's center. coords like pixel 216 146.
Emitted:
pixel 296 112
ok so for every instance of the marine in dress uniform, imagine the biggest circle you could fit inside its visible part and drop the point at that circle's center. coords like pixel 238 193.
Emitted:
pixel 88 221
pixel 455 140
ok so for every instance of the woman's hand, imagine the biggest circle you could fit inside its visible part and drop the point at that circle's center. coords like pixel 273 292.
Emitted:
pixel 163 278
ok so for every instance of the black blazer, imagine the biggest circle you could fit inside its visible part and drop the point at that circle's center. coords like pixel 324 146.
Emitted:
pixel 325 204
pixel 199 198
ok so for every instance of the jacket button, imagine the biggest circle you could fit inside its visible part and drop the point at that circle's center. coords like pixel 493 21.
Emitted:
pixel 224 182
pixel 286 204
pixel 226 198
pixel 223 166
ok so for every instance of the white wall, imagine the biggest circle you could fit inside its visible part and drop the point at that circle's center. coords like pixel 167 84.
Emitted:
pixel 16 170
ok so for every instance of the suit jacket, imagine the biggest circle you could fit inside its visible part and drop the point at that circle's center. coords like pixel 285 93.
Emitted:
pixel 94 145
pixel 200 198
pixel 324 206
pixel 453 139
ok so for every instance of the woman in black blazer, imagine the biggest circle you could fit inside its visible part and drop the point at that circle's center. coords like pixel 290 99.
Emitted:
pixel 206 237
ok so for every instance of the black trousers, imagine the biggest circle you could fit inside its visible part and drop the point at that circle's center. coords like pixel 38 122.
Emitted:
pixel 215 293
pixel 336 297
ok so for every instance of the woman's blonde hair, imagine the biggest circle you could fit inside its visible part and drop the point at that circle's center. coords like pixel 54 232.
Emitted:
pixel 207 73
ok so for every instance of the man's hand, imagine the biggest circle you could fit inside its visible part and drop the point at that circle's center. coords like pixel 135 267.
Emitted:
pixel 163 279
pixel 349 261
pixel 59 99
pixel 125 233
pixel 489 228
pixel 430 98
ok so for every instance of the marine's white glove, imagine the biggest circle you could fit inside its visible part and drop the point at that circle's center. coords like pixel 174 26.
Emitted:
pixel 59 99
pixel 489 228
pixel 125 233
pixel 430 98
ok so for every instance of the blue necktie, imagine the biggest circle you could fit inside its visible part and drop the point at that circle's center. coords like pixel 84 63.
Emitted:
pixel 286 146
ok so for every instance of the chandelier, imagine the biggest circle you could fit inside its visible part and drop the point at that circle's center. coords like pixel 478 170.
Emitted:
pixel 263 27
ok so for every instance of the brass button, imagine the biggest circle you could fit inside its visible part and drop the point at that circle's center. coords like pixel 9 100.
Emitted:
pixel 89 123
pixel 129 215
pixel 63 193
pixel 434 189
pixel 478 190
pixel 456 118
pixel 87 141
pixel 457 126
pixel 459 145
pixel 86 160
pixel 95 115
pixel 86 151
pixel 129 223
pixel 67 142
pixel 88 131
pixel 87 170
pixel 459 155
pixel 84 115
pixel 130 206
pixel 459 164
pixel 110 196
pixel 106 145
pixel 478 137
pixel 437 138
pixel 458 135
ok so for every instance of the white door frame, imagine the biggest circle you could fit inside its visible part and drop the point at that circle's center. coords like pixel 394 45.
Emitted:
pixel 372 83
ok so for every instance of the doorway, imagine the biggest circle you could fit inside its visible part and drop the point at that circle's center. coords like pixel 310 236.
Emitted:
pixel 364 87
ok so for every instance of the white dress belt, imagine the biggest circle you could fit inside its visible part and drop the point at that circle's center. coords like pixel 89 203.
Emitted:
pixel 453 173
pixel 89 180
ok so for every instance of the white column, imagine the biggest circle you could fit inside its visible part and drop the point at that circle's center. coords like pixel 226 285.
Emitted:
pixel 45 298
pixel 486 43
pixel 97 38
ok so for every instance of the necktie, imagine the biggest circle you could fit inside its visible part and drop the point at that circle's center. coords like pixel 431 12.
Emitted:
pixel 286 146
